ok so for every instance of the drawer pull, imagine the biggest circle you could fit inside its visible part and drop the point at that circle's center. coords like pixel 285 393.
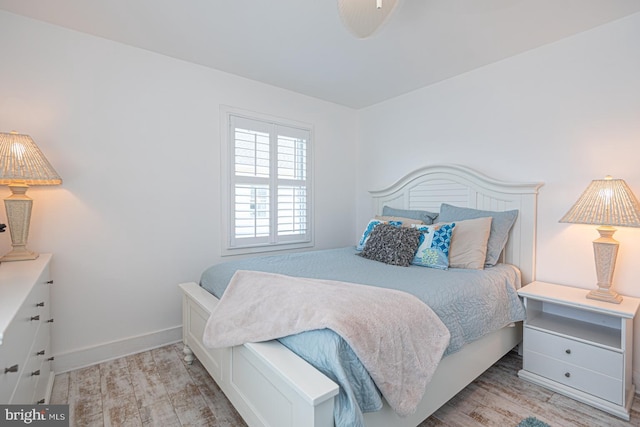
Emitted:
pixel 40 304
pixel 40 353
pixel 13 368
pixel 50 359
pixel 568 351
pixel 567 374
pixel 34 373
pixel 49 282
pixel 50 320
pixel 40 402
pixel 36 317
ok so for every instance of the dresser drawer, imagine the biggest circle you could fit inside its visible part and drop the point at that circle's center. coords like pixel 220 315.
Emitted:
pixel 35 367
pixel 591 382
pixel 42 352
pixel 597 359
pixel 42 386
pixel 30 373
pixel 18 339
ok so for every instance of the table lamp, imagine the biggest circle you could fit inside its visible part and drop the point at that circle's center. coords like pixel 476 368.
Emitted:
pixel 606 202
pixel 22 164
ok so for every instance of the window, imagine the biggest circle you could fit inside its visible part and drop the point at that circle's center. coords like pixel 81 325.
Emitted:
pixel 268 184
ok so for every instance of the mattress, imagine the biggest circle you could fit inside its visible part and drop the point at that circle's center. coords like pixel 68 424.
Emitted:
pixel 471 303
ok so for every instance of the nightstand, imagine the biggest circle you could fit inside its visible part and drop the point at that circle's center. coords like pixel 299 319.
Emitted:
pixel 579 347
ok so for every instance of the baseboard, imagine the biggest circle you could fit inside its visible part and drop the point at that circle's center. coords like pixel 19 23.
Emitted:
pixel 88 356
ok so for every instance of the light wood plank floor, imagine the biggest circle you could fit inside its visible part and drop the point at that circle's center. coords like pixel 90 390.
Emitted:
pixel 156 388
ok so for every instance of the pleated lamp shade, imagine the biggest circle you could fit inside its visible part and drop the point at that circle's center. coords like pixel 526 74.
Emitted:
pixel 22 160
pixel 364 17
pixel 606 202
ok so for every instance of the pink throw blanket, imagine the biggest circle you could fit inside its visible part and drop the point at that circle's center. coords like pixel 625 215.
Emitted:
pixel 397 337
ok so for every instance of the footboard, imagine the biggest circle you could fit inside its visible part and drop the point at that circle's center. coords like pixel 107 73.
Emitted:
pixel 267 384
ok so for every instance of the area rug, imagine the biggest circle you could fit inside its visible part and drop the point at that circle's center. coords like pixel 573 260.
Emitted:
pixel 532 422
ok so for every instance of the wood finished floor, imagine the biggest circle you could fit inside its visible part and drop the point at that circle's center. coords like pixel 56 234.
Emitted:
pixel 156 388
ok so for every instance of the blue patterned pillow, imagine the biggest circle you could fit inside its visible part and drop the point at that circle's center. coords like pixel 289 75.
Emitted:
pixel 433 249
pixel 367 231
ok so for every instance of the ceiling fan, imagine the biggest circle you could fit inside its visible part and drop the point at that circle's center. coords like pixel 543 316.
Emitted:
pixel 364 17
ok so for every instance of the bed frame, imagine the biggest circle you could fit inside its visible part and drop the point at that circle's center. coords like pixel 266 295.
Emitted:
pixel 271 386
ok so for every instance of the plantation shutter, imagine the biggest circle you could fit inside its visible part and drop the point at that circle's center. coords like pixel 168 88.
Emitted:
pixel 269 183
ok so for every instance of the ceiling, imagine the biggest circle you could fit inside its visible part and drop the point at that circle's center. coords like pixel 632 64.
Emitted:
pixel 301 45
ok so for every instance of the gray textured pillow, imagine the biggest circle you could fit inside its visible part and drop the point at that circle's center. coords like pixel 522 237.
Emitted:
pixel 424 216
pixel 500 226
pixel 392 245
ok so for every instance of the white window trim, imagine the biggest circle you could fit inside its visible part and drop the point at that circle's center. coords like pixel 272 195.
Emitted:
pixel 227 164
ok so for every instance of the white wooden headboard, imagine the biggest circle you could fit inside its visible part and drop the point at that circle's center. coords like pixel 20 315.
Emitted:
pixel 428 187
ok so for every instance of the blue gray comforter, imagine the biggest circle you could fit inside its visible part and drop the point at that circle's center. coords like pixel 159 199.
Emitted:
pixel 470 303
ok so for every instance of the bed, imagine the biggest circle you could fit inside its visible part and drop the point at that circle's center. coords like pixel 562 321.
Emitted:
pixel 270 385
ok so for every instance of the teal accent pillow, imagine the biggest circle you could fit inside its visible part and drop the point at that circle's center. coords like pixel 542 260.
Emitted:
pixel 433 249
pixel 424 216
pixel 500 225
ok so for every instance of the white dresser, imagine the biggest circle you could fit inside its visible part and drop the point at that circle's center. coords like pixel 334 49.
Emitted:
pixel 25 324
pixel 579 347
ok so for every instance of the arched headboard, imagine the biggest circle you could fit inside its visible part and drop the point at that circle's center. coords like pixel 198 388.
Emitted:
pixel 428 187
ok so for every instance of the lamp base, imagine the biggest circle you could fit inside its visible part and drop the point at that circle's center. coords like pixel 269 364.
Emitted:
pixel 605 295
pixel 18 207
pixel 19 255
pixel 605 249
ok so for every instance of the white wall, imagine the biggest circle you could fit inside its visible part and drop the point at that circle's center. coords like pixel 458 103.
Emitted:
pixel 136 139
pixel 563 114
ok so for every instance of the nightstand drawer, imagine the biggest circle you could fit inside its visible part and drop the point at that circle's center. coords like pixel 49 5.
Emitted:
pixel 591 382
pixel 597 359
